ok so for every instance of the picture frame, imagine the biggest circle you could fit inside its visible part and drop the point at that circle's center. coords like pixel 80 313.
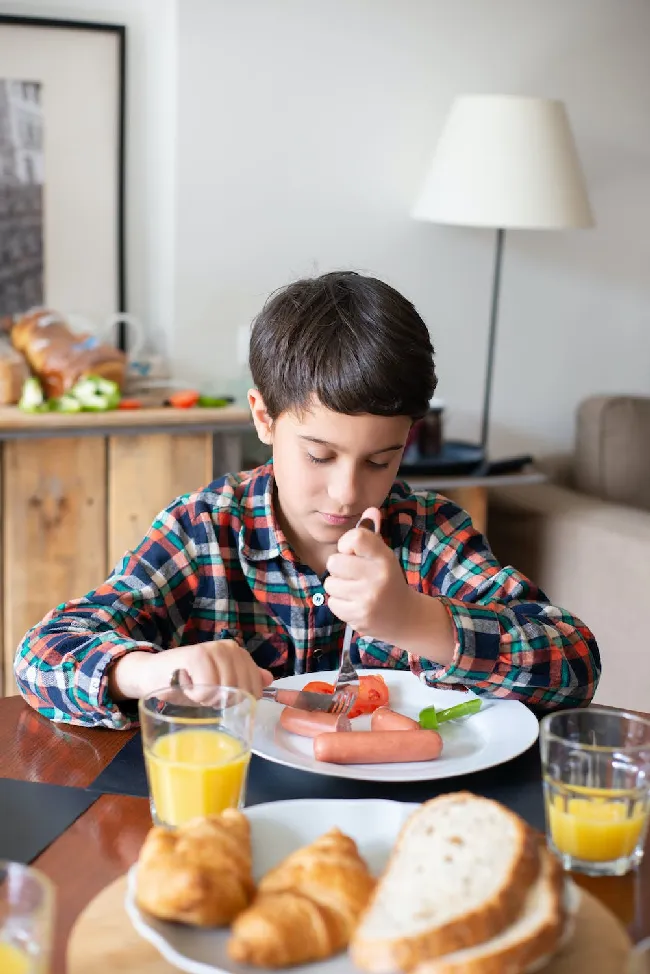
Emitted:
pixel 62 123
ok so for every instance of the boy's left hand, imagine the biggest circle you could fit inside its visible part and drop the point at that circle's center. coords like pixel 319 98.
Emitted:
pixel 366 585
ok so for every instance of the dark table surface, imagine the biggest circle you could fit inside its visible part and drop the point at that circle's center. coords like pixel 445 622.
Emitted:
pixel 104 841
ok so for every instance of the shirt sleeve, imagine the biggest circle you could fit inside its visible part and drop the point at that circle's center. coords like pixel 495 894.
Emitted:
pixel 510 640
pixel 61 664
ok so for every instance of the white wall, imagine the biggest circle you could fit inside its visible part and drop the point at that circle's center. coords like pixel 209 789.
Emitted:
pixel 304 131
pixel 274 138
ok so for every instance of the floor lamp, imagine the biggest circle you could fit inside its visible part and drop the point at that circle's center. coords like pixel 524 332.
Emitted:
pixel 508 163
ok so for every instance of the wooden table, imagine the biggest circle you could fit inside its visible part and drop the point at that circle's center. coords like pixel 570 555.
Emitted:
pixel 105 841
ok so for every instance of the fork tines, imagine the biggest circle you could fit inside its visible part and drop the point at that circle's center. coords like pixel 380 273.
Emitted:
pixel 343 699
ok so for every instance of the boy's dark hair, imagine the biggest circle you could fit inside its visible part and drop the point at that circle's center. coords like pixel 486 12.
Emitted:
pixel 353 342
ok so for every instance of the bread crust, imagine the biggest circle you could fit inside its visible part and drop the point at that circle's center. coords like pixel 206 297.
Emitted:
pixel 515 958
pixel 385 955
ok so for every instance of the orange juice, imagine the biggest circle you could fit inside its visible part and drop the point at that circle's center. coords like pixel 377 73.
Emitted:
pixel 195 772
pixel 13 960
pixel 598 825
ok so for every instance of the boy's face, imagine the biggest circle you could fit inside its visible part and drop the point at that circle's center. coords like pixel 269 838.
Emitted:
pixel 329 467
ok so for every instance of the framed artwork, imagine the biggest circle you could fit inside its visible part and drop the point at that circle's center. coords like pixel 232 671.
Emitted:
pixel 62 144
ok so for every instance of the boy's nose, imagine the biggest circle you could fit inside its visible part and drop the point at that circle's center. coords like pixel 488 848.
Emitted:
pixel 343 489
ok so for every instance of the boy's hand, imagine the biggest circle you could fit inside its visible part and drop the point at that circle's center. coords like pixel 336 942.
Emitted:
pixel 366 585
pixel 222 662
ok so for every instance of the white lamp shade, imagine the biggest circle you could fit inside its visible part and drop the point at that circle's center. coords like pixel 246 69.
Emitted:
pixel 505 161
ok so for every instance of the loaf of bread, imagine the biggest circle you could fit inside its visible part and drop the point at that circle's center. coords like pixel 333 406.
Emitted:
pixel 200 874
pixel 459 875
pixel 58 356
pixel 306 908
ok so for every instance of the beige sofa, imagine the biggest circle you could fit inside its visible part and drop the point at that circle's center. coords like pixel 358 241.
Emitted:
pixel 586 542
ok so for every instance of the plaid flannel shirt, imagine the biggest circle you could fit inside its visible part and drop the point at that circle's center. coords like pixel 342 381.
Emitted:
pixel 217 560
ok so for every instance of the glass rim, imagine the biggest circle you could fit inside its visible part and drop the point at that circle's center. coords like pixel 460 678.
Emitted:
pixel 176 718
pixel 30 872
pixel 635 718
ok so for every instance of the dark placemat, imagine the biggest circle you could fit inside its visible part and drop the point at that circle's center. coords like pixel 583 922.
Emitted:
pixel 33 815
pixel 125 775
pixel 518 783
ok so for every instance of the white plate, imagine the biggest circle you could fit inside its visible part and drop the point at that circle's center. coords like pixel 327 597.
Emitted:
pixel 279 828
pixel 500 731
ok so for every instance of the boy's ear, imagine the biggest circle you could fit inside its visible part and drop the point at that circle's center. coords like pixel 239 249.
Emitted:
pixel 262 420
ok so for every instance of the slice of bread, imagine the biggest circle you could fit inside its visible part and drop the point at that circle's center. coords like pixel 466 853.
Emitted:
pixel 533 937
pixel 458 875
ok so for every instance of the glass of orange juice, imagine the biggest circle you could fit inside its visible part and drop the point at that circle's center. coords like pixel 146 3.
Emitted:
pixel 596 770
pixel 197 748
pixel 26 912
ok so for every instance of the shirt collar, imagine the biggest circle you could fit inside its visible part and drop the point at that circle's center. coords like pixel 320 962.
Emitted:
pixel 262 538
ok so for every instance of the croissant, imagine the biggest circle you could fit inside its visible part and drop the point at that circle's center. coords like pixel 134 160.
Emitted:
pixel 200 874
pixel 307 908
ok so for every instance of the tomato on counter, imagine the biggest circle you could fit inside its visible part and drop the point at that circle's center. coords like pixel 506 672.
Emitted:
pixel 184 399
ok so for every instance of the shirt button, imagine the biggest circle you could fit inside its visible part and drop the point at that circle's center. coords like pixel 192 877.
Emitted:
pixel 318 599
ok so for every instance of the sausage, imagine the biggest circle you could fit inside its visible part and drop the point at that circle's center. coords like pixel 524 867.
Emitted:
pixel 387 720
pixel 378 747
pixel 308 724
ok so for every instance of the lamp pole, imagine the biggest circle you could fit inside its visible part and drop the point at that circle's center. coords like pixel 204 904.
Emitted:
pixel 494 313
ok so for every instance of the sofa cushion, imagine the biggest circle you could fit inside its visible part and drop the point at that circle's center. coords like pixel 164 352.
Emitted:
pixel 612 454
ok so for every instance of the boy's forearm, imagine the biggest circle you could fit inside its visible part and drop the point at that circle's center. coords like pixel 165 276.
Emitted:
pixel 426 629
pixel 125 676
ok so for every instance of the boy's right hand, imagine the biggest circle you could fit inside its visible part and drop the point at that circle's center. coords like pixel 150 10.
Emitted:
pixel 222 662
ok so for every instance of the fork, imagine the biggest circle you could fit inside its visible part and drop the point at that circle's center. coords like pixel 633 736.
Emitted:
pixel 348 676
pixel 344 699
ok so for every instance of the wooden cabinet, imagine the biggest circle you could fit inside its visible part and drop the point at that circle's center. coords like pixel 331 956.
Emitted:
pixel 79 491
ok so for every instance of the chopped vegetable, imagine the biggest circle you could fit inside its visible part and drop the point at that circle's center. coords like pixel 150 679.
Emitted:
pixel 373 693
pixel 319 686
pixel 65 404
pixel 130 404
pixel 96 394
pixel 430 718
pixel 214 402
pixel 184 399
pixel 32 399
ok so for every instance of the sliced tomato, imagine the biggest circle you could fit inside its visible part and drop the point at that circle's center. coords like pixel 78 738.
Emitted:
pixel 129 404
pixel 319 686
pixel 373 693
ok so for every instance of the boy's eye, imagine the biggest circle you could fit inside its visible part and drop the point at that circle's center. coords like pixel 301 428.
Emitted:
pixel 371 463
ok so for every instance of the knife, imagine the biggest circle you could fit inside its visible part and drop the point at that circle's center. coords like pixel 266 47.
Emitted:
pixel 301 699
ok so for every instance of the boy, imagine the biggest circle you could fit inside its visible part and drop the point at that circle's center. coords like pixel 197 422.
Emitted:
pixel 255 576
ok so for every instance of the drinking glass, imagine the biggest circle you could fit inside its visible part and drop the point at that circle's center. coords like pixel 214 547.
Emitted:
pixel 640 960
pixel 197 747
pixel 26 911
pixel 596 770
